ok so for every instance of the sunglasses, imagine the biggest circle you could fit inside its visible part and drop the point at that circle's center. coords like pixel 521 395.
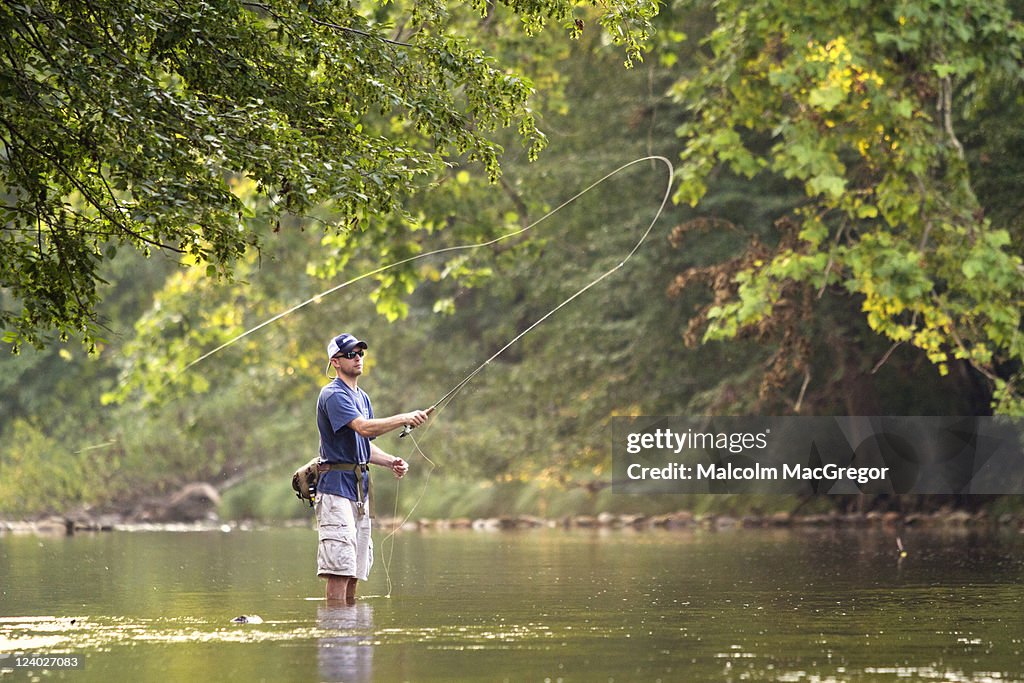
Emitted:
pixel 351 354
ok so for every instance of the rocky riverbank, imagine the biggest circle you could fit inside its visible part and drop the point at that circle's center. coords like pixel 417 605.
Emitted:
pixel 688 520
pixel 70 525
pixel 194 507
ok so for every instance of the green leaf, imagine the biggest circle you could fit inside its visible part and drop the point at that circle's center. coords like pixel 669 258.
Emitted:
pixel 830 185
pixel 826 98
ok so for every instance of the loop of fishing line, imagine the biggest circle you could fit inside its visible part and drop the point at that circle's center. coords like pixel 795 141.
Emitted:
pixel 386 563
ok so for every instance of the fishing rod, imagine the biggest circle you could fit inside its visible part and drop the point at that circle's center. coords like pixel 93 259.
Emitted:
pixel 407 429
pixel 447 397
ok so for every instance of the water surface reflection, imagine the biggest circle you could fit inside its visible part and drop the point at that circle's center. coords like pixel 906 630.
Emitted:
pixel 737 605
pixel 345 645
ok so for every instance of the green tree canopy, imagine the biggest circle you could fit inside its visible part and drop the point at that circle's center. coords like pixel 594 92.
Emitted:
pixel 134 122
pixel 867 107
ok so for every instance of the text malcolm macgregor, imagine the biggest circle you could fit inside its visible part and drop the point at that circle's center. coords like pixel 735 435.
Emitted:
pixel 667 440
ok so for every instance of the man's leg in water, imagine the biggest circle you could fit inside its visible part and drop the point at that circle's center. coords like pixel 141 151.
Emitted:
pixel 341 589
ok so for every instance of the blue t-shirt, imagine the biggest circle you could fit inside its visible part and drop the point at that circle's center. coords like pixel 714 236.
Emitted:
pixel 335 408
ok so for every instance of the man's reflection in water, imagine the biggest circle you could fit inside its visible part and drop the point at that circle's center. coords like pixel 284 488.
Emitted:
pixel 345 651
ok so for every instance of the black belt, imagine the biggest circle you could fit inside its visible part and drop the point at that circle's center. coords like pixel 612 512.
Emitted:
pixel 358 469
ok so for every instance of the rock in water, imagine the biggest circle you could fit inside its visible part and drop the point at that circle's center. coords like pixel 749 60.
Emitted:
pixel 247 619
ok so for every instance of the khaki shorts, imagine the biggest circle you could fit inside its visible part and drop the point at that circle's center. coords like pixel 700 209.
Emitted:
pixel 345 547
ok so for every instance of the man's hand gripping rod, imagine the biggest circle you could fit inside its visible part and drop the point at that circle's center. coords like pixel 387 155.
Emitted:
pixel 407 429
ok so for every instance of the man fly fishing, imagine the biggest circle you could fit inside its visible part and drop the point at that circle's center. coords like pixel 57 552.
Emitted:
pixel 344 418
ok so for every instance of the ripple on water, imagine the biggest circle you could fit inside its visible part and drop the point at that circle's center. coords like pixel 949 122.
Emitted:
pixel 50 633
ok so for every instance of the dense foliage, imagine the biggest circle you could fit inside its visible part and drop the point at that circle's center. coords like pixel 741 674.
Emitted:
pixel 875 112
pixel 133 123
pixel 848 268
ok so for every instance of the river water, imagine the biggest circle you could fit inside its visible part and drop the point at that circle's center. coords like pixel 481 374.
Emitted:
pixel 541 605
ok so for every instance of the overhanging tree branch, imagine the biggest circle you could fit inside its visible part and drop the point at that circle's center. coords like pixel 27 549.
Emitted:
pixel 327 24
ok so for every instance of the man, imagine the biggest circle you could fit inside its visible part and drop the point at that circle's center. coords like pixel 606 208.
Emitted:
pixel 344 418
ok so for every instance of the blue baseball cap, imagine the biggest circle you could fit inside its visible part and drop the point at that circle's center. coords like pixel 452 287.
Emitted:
pixel 343 343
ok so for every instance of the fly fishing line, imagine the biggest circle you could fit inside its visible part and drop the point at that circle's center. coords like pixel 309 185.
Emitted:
pixel 446 399
pixel 454 391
